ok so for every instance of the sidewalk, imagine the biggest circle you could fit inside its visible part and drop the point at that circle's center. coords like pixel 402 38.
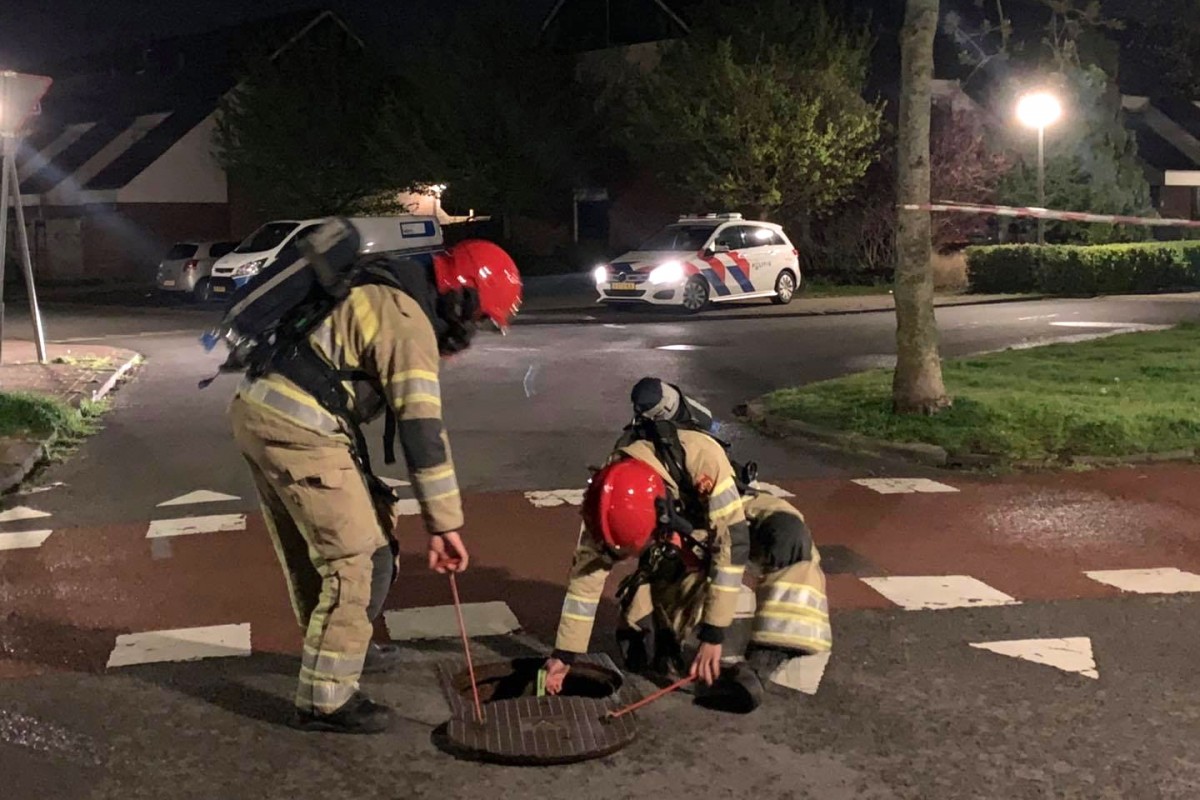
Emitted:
pixel 73 374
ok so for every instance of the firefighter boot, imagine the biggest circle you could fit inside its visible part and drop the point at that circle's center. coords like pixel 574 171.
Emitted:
pixel 765 660
pixel 359 715
pixel 632 643
pixel 737 691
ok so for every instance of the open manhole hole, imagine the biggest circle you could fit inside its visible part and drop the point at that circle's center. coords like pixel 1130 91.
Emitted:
pixel 521 728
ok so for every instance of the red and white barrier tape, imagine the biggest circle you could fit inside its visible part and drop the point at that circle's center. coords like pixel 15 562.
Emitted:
pixel 1045 213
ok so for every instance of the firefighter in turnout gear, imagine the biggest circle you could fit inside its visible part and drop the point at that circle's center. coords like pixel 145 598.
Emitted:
pixel 330 519
pixel 692 555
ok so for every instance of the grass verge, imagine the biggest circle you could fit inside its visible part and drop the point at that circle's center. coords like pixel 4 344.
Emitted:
pixel 1124 395
pixel 37 416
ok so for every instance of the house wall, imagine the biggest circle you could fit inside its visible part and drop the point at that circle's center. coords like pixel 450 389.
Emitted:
pixel 187 173
pixel 69 191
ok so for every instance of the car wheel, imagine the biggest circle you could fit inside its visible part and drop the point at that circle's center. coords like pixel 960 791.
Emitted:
pixel 203 291
pixel 785 288
pixel 695 294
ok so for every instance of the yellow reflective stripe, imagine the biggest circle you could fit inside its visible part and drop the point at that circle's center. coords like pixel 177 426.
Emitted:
pixel 364 314
pixel 581 598
pixel 437 476
pixel 721 588
pixel 414 399
pixel 801 613
pixel 578 618
pixel 442 496
pixel 422 374
pixel 723 487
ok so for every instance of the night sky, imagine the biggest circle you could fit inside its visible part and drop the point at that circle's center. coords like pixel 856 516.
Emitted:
pixel 34 33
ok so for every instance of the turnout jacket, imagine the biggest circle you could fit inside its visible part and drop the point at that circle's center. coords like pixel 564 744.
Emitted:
pixel 383 342
pixel 724 531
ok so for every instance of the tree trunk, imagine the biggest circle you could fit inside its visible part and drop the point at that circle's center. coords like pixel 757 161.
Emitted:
pixel 917 386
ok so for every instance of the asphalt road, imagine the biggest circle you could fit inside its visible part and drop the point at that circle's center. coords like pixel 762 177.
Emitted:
pixel 906 708
pixel 530 410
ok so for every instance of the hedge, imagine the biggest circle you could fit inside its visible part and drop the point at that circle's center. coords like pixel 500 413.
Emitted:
pixel 1084 270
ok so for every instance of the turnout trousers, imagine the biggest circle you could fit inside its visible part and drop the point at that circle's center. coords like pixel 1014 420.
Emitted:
pixel 333 538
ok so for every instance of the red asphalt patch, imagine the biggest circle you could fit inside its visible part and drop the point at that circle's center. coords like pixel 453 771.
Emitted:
pixel 1031 537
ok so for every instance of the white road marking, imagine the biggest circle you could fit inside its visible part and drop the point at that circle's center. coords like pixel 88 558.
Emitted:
pixel 199 496
pixel 184 644
pixel 1166 580
pixel 678 347
pixel 1039 316
pixel 1132 326
pixel 23 540
pixel 904 485
pixel 803 673
pixel 556 497
pixel 187 526
pixel 771 489
pixel 22 513
pixel 395 483
pixel 1070 655
pixel 923 592
pixel 439 622
pixel 408 507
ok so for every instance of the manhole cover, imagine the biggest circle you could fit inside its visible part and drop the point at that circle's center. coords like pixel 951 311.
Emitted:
pixel 521 728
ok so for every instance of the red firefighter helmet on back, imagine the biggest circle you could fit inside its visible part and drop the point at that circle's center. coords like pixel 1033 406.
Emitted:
pixel 485 267
pixel 620 506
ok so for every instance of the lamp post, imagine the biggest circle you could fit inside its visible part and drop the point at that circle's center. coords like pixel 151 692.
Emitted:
pixel 1037 110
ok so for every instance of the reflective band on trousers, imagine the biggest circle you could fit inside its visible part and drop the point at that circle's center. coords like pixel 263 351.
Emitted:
pixel 793 615
pixel 312 416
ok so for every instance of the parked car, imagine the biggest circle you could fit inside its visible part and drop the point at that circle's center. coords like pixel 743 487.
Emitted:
pixel 187 267
pixel 380 234
pixel 697 260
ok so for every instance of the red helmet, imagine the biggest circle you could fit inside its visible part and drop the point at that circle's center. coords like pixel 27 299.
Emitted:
pixel 486 268
pixel 620 506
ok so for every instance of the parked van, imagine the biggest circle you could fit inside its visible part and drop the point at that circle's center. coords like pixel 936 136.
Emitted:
pixel 379 235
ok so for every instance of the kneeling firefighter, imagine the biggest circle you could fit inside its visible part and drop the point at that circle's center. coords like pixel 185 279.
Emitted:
pixel 671 497
pixel 364 340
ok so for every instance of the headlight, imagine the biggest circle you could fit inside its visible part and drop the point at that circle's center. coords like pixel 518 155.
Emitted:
pixel 670 272
pixel 600 275
pixel 251 268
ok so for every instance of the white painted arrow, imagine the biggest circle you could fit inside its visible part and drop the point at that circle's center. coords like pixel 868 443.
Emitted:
pixel 1073 654
pixel 803 674
pixel 201 496
pixel 188 526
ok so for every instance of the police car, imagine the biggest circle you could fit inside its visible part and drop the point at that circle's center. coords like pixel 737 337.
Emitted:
pixel 713 258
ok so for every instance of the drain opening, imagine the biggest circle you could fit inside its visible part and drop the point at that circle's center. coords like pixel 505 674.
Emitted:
pixel 510 680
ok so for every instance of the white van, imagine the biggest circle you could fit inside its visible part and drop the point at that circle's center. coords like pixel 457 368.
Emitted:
pixel 379 235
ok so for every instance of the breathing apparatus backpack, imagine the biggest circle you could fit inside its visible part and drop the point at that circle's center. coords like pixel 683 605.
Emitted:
pixel 268 320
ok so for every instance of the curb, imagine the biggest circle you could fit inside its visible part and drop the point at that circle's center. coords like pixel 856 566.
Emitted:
pixel 116 377
pixel 573 315
pixel 927 454
pixel 13 475
pixel 34 453
pixel 932 455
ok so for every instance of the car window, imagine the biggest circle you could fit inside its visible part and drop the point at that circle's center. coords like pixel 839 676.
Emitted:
pixel 219 249
pixel 289 250
pixel 179 251
pixel 731 237
pixel 679 237
pixel 758 236
pixel 267 237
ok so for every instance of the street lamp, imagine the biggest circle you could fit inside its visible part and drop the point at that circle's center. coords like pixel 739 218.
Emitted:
pixel 1037 110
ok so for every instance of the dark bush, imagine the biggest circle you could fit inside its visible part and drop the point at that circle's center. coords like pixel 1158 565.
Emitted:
pixel 1081 270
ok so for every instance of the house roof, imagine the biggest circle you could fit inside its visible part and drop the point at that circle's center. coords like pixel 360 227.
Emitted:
pixel 581 25
pixel 1167 132
pixel 183 77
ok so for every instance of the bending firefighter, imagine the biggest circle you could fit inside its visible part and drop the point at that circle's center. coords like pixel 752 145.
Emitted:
pixel 670 497
pixel 297 419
